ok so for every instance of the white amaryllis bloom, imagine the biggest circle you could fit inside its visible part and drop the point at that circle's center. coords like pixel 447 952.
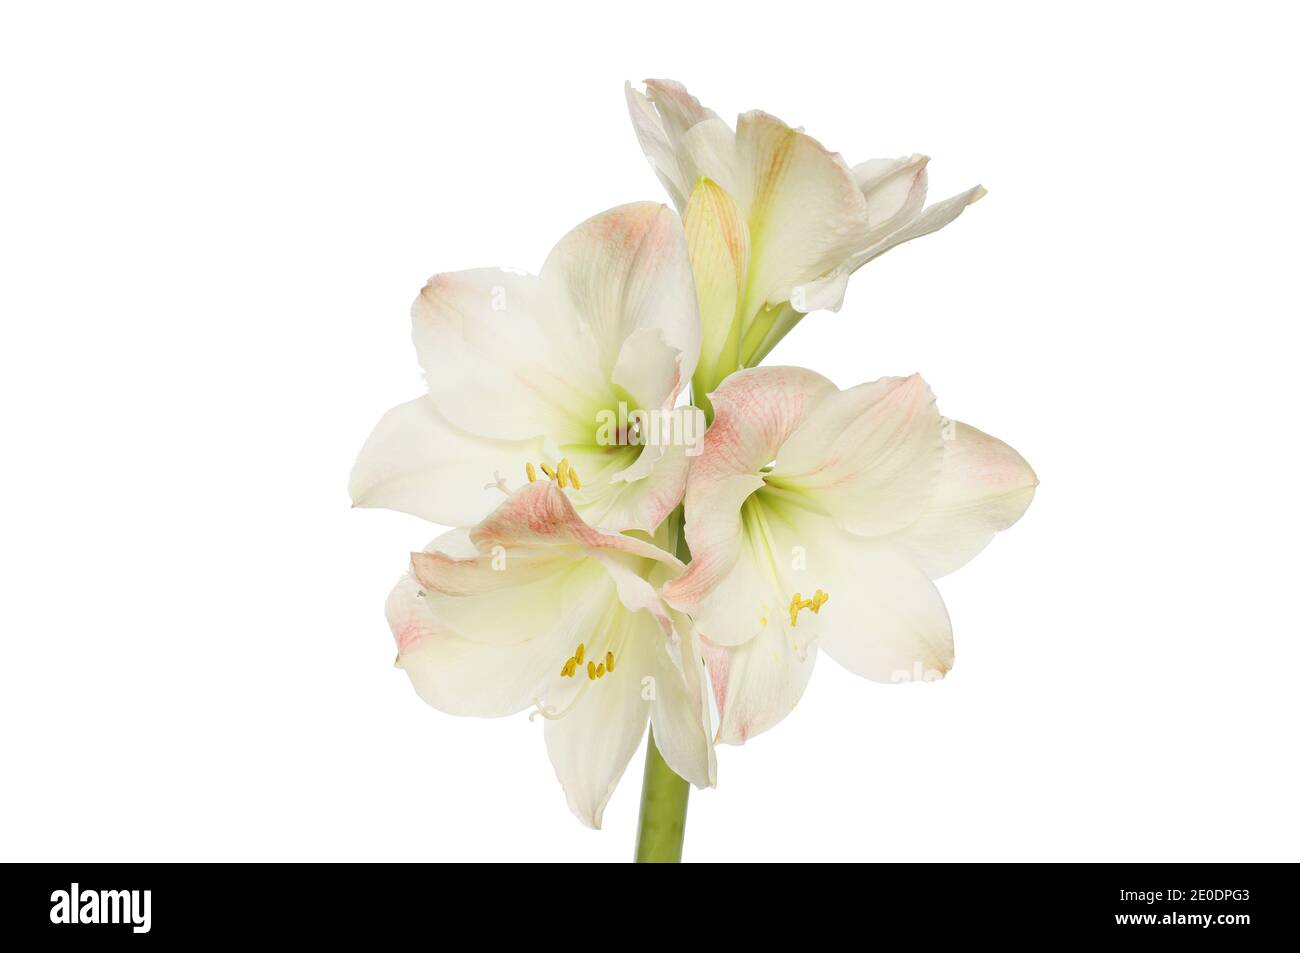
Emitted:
pixel 526 372
pixel 796 220
pixel 533 608
pixel 817 518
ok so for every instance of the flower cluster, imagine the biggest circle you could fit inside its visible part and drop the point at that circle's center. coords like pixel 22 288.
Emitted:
pixel 611 568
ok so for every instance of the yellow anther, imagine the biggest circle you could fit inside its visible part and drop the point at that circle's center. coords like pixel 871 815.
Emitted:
pixel 797 602
pixel 550 474
pixel 531 471
pixel 568 668
pixel 600 670
pixel 581 652
pixel 562 475
pixel 609 661
pixel 591 671
pixel 573 477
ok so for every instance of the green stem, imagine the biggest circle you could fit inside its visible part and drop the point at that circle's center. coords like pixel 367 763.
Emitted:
pixel 662 826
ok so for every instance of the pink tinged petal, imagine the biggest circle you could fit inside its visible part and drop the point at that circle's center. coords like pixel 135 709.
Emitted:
pixel 624 270
pixel 715 535
pixel 985 486
pixel 806 215
pixel 540 518
pixel 756 410
pixel 416 462
pixel 869 456
pixel 645 502
pixel 678 109
pixel 505 359
pixel 757 684
pixel 458 675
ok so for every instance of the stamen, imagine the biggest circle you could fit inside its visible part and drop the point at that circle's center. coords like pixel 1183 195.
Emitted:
pixel 609 661
pixel 600 670
pixel 563 474
pixel 797 602
pixel 591 671
pixel 581 653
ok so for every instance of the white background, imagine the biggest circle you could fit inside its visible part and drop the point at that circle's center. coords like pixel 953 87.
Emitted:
pixel 215 217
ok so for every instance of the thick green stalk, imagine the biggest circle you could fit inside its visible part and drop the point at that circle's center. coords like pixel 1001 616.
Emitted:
pixel 662 826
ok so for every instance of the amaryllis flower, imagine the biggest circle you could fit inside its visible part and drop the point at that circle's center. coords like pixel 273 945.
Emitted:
pixel 537 376
pixel 533 608
pixel 797 220
pixel 817 518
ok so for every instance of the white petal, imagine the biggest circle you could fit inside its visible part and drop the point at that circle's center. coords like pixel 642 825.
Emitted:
pixel 416 462
pixel 649 370
pixel 985 486
pixel 679 713
pixel 627 269
pixel 658 149
pixel 806 213
pixel 756 684
pixel 869 456
pixel 894 190
pixel 824 294
pixel 718 240
pixel 590 746
pixel 505 359
pixel 883 619
pixel 487 677
pixel 708 151
pixel 931 220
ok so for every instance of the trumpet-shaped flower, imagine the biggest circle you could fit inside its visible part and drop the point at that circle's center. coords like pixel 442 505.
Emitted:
pixel 784 220
pixel 533 608
pixel 817 518
pixel 546 377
